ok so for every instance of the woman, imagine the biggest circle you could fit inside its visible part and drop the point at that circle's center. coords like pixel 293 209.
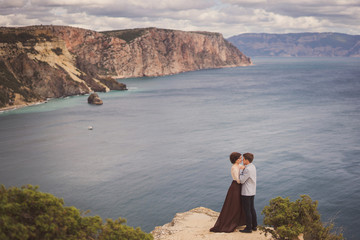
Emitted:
pixel 232 214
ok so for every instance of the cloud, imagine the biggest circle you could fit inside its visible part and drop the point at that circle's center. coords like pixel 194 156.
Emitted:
pixel 12 4
pixel 298 8
pixel 229 17
pixel 280 16
pixel 134 8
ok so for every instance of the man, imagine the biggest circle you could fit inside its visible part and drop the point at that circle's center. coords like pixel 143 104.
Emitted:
pixel 248 191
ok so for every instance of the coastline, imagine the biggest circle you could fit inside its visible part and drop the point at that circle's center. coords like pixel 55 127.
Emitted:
pixel 22 105
pixel 14 107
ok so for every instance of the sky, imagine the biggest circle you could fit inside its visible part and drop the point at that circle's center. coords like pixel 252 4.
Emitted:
pixel 229 17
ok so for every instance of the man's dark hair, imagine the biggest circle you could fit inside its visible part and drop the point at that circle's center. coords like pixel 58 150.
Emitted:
pixel 249 156
pixel 234 156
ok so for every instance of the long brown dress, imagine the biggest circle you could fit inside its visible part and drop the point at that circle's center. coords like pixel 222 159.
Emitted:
pixel 232 214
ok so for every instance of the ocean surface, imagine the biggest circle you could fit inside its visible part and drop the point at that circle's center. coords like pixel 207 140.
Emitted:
pixel 163 146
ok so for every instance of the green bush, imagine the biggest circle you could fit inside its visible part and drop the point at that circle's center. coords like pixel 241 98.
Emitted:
pixel 12 37
pixel 57 51
pixel 127 35
pixel 27 213
pixel 289 219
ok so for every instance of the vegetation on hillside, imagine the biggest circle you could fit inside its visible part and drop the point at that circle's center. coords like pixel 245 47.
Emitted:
pixel 27 213
pixel 12 37
pixel 57 51
pixel 127 35
pixel 30 37
pixel 289 219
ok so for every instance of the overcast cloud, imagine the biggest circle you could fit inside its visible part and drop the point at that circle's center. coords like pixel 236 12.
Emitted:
pixel 229 17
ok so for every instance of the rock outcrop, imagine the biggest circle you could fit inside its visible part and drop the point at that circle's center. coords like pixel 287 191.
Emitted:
pixel 195 224
pixel 298 44
pixel 40 62
pixel 94 99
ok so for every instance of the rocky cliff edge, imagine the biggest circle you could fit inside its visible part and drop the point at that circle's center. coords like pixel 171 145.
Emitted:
pixel 195 224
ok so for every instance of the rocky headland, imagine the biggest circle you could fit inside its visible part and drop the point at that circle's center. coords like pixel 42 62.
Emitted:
pixel 195 224
pixel 40 62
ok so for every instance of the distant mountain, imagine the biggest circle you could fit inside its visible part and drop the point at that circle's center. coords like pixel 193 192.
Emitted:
pixel 298 44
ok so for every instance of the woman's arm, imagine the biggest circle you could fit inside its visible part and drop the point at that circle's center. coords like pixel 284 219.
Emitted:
pixel 235 172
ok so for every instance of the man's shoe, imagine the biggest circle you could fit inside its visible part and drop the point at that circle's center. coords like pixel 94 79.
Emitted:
pixel 254 228
pixel 246 231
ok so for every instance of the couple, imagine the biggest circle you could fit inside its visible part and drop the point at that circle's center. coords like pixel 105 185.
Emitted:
pixel 238 208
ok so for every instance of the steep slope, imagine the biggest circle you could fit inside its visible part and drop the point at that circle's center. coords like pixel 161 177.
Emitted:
pixel 35 64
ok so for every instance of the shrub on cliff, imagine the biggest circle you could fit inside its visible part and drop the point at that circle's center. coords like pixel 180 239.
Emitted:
pixel 289 219
pixel 27 213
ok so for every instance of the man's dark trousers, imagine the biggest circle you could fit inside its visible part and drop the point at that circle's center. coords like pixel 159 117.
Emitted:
pixel 249 208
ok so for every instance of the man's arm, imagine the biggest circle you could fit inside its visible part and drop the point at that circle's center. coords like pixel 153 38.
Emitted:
pixel 244 175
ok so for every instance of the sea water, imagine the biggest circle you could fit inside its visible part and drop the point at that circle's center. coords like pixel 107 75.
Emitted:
pixel 163 146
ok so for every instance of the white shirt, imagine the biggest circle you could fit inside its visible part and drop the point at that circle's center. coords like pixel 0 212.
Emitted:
pixel 248 180
pixel 235 172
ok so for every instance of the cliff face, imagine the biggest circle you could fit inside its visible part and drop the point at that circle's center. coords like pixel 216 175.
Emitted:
pixel 298 44
pixel 156 52
pixel 42 62
pixel 35 64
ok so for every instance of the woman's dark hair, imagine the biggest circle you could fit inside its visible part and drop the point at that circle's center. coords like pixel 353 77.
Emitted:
pixel 234 156
pixel 249 156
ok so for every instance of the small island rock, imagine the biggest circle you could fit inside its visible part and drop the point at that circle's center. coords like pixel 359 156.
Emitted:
pixel 94 99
